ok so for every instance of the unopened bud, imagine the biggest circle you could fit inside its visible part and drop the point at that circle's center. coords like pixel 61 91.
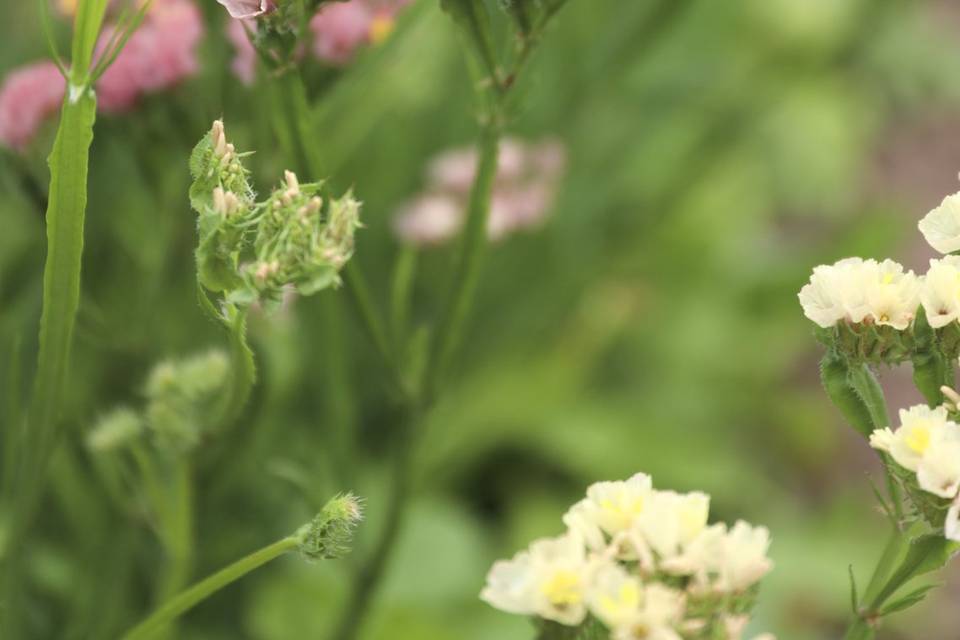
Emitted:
pixel 114 430
pixel 218 139
pixel 329 535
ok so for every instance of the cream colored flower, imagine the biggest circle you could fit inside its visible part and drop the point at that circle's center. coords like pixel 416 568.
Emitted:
pixel 941 227
pixel 614 596
pixel 744 558
pixel 659 614
pixel 672 521
pixel 940 291
pixel 615 506
pixel 920 426
pixel 893 295
pixel 549 580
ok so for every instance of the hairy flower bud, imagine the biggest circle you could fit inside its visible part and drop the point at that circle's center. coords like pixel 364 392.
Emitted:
pixel 115 430
pixel 329 535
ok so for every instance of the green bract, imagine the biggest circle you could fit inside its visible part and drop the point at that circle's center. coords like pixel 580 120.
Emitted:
pixel 253 251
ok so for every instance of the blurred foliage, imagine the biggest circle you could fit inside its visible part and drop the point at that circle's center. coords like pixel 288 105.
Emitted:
pixel 717 151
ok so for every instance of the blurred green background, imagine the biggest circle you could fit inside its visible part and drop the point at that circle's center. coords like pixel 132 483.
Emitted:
pixel 717 151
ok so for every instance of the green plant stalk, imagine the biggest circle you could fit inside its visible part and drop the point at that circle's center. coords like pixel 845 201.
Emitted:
pixel 191 597
pixel 243 371
pixel 450 325
pixel 178 537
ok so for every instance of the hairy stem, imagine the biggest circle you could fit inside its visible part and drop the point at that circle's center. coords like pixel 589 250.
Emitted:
pixel 186 600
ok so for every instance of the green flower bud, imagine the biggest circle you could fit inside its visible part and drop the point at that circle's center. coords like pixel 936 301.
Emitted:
pixel 329 535
pixel 115 430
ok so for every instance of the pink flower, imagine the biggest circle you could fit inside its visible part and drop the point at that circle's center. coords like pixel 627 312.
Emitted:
pixel 244 63
pixel 28 97
pixel 160 54
pixel 523 192
pixel 431 219
pixel 340 29
pixel 247 9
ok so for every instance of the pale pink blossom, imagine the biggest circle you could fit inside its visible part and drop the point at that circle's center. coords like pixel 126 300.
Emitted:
pixel 339 29
pixel 523 192
pixel 247 9
pixel 244 63
pixel 28 97
pixel 157 57
pixel 430 219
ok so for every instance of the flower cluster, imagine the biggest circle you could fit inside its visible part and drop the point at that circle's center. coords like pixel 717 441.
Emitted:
pixel 869 310
pixel 642 562
pixel 926 448
pixel 160 54
pixel 251 251
pixel 337 31
pixel 29 96
pixel 526 181
pixel 181 405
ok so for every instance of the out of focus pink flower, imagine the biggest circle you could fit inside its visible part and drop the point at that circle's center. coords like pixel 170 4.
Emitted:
pixel 246 9
pixel 428 220
pixel 523 191
pixel 29 96
pixel 244 63
pixel 159 55
pixel 339 29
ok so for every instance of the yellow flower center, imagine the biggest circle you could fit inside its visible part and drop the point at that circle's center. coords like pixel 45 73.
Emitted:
pixel 626 600
pixel 918 438
pixel 887 278
pixel 380 28
pixel 563 588
pixel 624 509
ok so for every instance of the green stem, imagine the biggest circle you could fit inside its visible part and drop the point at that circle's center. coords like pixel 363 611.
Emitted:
pixel 367 579
pixel 860 629
pixel 243 369
pixel 178 537
pixel 186 600
pixel 467 273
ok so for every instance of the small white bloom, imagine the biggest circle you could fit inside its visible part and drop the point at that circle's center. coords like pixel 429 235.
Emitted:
pixel 744 560
pixel 548 580
pixel 893 295
pixel 615 506
pixel 951 528
pixel 661 611
pixel 834 293
pixel 919 427
pixel 940 291
pixel 941 227
pixel 672 521
pixel 939 470
pixel 246 9
pixel 701 557
pixel 615 595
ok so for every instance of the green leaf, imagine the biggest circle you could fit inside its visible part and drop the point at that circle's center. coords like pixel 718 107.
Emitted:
pixel 854 597
pixel 86 30
pixel 927 553
pixel 908 600
pixel 834 373
pixel 474 22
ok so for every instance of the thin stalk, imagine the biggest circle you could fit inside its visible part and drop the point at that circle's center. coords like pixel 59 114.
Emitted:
pixel 467 273
pixel 186 600
pixel 368 577
pixel 178 538
pixel 243 370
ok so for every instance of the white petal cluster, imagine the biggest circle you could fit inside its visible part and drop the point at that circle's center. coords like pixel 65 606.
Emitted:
pixel 634 558
pixel 928 444
pixel 941 227
pixel 856 290
pixel 940 293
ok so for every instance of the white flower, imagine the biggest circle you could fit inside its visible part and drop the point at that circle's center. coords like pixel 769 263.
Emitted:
pixel 941 227
pixel 701 557
pixel 854 290
pixel 951 528
pixel 246 9
pixel 661 611
pixel 939 470
pixel 615 506
pixel 920 426
pixel 940 291
pixel 673 520
pixel 743 560
pixel 549 580
pixel 893 295
pixel 615 595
